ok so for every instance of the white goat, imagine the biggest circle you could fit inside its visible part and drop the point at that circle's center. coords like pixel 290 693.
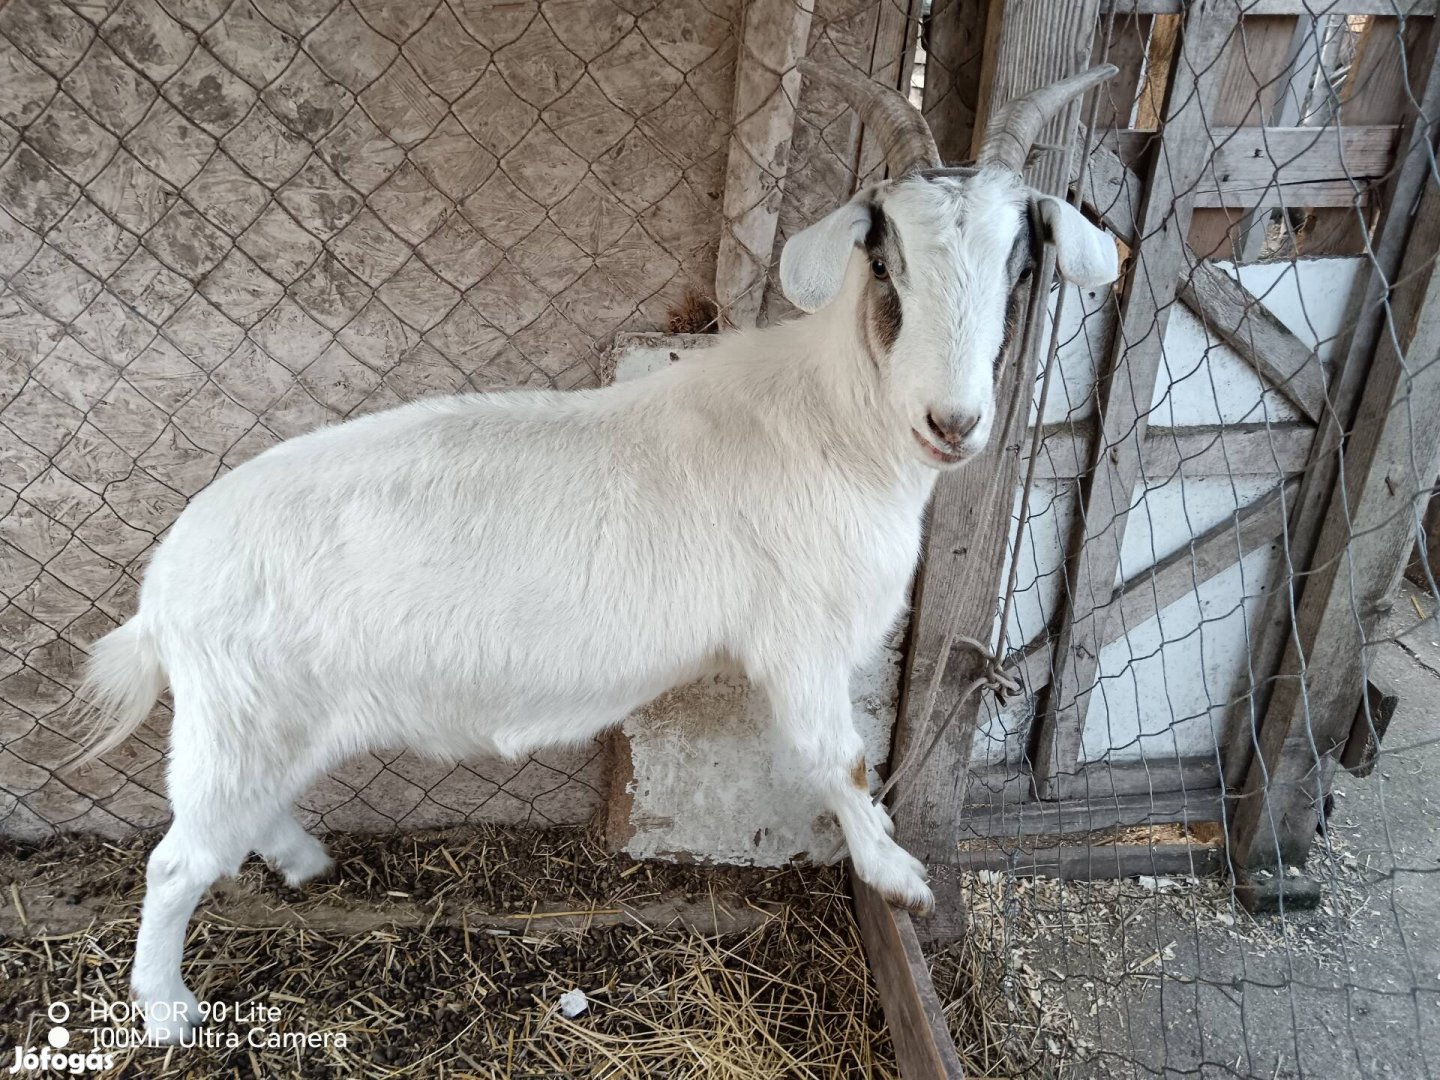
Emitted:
pixel 499 573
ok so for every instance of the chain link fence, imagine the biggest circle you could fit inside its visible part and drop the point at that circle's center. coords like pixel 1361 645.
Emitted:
pixel 225 223
pixel 1236 452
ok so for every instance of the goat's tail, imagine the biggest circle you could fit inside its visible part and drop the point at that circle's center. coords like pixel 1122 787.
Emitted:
pixel 123 680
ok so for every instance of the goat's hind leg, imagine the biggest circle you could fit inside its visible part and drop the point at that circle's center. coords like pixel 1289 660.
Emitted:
pixel 813 711
pixel 216 825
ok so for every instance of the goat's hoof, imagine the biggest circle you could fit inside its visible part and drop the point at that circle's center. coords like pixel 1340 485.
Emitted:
pixel 917 900
pixel 171 1019
pixel 900 879
pixel 298 876
pixel 303 863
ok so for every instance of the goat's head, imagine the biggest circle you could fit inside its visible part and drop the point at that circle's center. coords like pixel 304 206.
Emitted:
pixel 934 258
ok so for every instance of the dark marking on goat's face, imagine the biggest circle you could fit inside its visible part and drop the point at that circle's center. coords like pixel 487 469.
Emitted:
pixel 885 266
pixel 1014 313
pixel 1019 268
pixel 884 313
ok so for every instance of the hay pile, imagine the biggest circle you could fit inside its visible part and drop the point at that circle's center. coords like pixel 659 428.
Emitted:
pixel 446 955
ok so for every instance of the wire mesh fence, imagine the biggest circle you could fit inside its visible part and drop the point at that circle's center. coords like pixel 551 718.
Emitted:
pixel 1208 612
pixel 225 223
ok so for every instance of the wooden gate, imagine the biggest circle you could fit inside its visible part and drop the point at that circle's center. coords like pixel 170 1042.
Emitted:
pixel 1193 589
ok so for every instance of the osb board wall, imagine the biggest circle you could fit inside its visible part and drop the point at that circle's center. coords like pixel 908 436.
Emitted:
pixel 226 223
pixel 825 147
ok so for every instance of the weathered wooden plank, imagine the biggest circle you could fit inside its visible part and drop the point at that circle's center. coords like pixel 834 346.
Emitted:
pixel 1258 525
pixel 1160 56
pixel 1238 450
pixel 766 87
pixel 965 548
pixel 1100 862
pixel 1247 157
pixel 1376 91
pixel 1366 536
pixel 1112 188
pixel 1304 63
pixel 1280 7
pixel 913 1013
pixel 1080 816
pixel 1365 321
pixel 953 63
pixel 1295 167
pixel 1135 359
pixel 993 785
pixel 1253 70
pixel 1263 341
pixel 1372 719
pixel 1177 575
pixel 1111 104
pixel 1227 450
pixel 1253 167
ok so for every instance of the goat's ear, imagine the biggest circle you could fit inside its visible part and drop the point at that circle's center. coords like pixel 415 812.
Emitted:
pixel 1085 254
pixel 813 262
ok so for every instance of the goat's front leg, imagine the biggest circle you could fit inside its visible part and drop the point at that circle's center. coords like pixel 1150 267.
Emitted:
pixel 813 712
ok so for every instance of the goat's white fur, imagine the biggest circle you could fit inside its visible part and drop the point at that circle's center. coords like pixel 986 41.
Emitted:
pixel 494 574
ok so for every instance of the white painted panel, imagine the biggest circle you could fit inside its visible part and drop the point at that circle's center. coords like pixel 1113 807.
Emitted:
pixel 1202 381
pixel 1039 583
pixel 1164 688
pixel 1309 296
pixel 712 780
pixel 1085 333
pixel 1039 589
pixel 1001 734
pixel 1164 519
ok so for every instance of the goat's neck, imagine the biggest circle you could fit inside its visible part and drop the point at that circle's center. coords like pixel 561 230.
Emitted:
pixel 829 377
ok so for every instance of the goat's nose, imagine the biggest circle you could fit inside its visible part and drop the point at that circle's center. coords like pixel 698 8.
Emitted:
pixel 952 427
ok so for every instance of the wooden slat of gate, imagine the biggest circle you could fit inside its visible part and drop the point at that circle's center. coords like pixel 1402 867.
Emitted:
pixel 1365 320
pixel 1375 92
pixel 1362 548
pixel 970 517
pixel 1164 222
pixel 1255 65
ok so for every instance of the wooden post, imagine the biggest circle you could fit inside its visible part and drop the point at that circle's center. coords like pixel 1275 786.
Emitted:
pixel 1365 318
pixel 1376 91
pixel 913 1012
pixel 892 59
pixel 1163 224
pixel 766 87
pixel 1388 460
pixel 954 57
pixel 1257 65
pixel 1128 44
pixel 1039 41
pixel 1262 340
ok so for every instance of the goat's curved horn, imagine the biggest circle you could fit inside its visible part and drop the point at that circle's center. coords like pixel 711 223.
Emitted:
pixel 904 136
pixel 1013 131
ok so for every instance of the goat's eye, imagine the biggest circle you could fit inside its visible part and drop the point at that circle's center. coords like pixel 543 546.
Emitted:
pixel 879 269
